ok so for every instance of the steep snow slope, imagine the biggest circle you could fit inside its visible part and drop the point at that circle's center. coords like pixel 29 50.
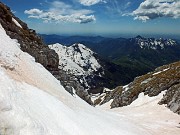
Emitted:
pixel 32 102
pixel 146 112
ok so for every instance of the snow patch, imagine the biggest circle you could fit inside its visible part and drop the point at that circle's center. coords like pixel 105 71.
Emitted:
pixel 126 87
pixel 145 112
pixel 16 22
pixel 146 81
pixel 161 71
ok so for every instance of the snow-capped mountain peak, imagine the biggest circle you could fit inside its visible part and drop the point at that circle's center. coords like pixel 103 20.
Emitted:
pixel 76 59
pixel 152 43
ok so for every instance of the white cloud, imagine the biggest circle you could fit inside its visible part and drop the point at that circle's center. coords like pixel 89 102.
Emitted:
pixel 61 12
pixel 33 11
pixel 64 9
pixel 151 9
pixel 91 2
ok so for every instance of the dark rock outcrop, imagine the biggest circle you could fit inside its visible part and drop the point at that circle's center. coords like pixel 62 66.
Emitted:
pixel 71 83
pixel 172 98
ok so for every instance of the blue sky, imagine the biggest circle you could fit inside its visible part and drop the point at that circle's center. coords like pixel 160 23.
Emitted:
pixel 99 17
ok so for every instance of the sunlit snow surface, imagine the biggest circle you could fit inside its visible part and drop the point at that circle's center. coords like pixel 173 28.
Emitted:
pixel 76 58
pixel 33 102
pixel 146 112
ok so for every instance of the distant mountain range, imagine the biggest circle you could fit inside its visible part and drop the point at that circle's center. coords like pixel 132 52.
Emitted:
pixel 69 40
pixel 131 56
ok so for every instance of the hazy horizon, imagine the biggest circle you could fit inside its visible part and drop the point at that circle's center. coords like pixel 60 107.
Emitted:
pixel 118 35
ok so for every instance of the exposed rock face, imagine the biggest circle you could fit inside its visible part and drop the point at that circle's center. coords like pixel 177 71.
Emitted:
pixel 165 78
pixel 28 39
pixel 72 85
pixel 112 94
pixel 172 98
pixel 31 43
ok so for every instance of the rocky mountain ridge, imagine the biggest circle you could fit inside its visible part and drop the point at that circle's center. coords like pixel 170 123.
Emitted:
pixel 165 78
pixel 152 43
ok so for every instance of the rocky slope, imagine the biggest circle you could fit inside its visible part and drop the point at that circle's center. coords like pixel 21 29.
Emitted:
pixel 165 78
